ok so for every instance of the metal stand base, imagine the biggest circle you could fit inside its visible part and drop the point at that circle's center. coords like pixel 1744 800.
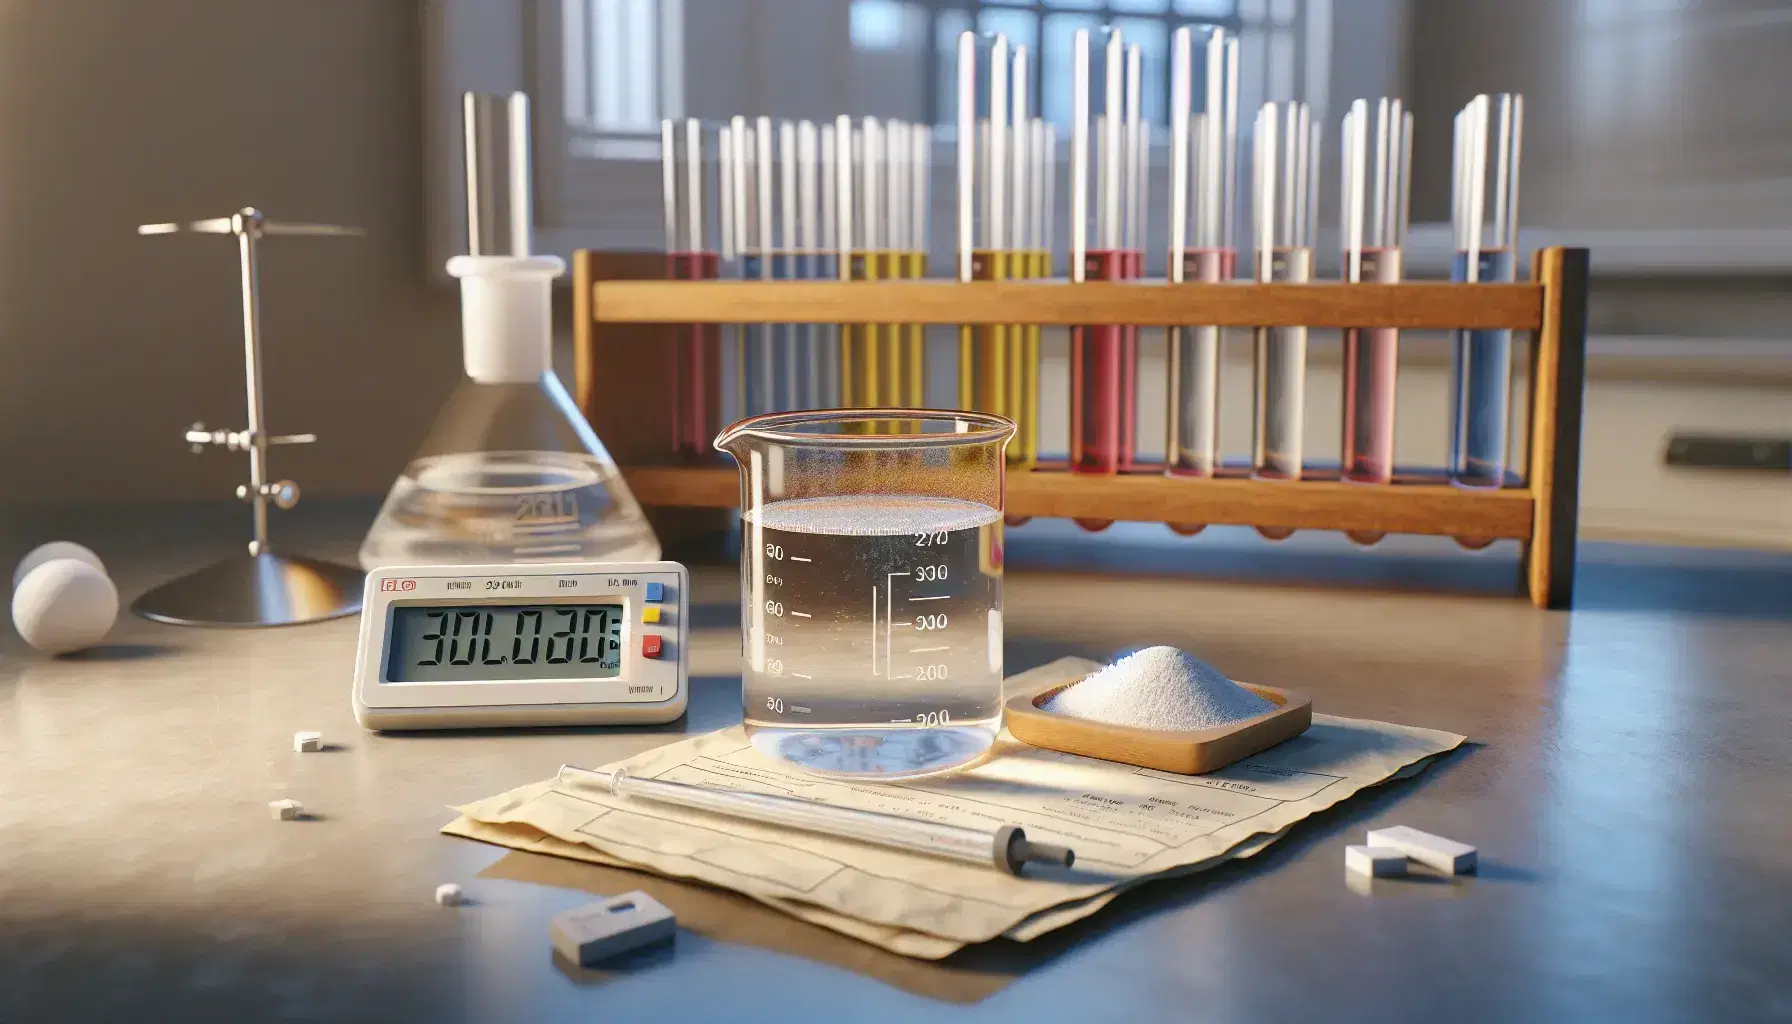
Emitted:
pixel 256 590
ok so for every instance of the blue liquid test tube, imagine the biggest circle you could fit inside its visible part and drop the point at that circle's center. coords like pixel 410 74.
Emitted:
pixel 1481 387
pixel 1481 371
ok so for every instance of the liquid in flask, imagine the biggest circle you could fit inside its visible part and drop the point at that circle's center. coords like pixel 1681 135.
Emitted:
pixel 511 472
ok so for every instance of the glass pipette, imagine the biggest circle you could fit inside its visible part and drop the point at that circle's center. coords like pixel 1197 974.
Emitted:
pixel 1005 847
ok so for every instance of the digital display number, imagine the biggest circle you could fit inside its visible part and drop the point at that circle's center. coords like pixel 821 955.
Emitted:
pixel 462 643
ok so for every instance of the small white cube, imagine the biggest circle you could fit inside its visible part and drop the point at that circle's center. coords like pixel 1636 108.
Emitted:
pixel 285 810
pixel 307 742
pixel 1375 861
pixel 1435 852
pixel 449 895
pixel 598 931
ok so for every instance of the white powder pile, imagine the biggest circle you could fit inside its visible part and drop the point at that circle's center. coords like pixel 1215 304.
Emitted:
pixel 1158 688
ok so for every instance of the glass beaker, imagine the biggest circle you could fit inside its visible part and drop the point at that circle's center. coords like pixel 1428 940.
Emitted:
pixel 871 587
pixel 511 472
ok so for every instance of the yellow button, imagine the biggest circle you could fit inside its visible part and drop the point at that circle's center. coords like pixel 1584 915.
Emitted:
pixel 650 615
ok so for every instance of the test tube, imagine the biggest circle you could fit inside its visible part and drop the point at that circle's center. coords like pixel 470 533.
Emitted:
pixel 1097 392
pixel 826 265
pixel 1024 451
pixel 983 352
pixel 1136 139
pixel 1375 193
pixel 897 168
pixel 1282 171
pixel 1019 404
pixel 846 152
pixel 787 361
pixel 1201 247
pixel 805 264
pixel 695 347
pixel 915 343
pixel 767 371
pixel 753 364
pixel 730 267
pixel 1481 372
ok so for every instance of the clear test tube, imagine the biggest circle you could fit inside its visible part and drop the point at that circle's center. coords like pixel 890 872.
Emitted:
pixel 1282 195
pixel 1041 159
pixel 789 362
pixel 767 368
pixel 1018 404
pixel 845 149
pixel 868 260
pixel 915 342
pixel 827 267
pixel 891 259
pixel 805 263
pixel 1201 248
pixel 1375 191
pixel 754 363
pixel 983 181
pixel 748 343
pixel 1481 372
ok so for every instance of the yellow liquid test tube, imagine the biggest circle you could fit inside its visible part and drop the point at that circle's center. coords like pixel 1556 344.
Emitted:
pixel 983 350
pixel 860 348
pixel 914 347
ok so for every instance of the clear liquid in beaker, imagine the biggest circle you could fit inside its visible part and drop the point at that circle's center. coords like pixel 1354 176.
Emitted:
pixel 474 508
pixel 873 632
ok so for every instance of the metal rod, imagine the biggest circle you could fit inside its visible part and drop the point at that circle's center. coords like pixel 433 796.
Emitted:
pixel 248 233
pixel 471 138
pixel 522 198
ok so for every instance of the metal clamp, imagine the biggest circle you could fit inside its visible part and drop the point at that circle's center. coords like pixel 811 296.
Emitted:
pixel 283 493
pixel 250 226
pixel 199 438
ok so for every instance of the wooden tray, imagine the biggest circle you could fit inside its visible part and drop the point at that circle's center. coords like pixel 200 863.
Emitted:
pixel 1184 752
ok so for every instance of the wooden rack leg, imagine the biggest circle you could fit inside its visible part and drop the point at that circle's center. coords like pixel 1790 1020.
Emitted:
pixel 620 372
pixel 1558 387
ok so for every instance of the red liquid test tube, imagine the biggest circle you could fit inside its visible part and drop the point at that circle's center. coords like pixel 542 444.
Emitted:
pixel 696 369
pixel 1098 389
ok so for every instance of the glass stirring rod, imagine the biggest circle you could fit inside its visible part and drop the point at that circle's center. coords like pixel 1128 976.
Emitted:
pixel 1005 847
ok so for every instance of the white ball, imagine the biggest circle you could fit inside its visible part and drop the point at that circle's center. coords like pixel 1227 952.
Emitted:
pixel 64 605
pixel 52 551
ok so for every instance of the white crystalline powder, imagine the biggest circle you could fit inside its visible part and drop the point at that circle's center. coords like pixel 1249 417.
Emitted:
pixel 1158 688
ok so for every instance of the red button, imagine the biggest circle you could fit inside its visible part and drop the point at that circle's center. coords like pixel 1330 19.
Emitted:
pixel 650 647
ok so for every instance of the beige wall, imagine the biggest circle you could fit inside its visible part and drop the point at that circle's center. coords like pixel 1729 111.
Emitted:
pixel 115 112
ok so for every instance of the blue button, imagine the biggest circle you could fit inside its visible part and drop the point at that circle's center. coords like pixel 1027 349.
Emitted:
pixel 656 591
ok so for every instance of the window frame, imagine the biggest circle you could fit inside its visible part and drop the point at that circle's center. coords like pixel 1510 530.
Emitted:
pixel 491 46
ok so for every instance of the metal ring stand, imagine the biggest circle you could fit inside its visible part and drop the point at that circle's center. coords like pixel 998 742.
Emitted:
pixel 266 588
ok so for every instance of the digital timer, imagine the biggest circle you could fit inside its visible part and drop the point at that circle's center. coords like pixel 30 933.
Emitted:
pixel 575 643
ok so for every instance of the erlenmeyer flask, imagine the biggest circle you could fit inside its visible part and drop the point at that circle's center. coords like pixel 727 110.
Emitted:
pixel 511 472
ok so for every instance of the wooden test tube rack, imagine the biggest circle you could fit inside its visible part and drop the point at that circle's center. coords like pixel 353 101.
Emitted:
pixel 612 313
